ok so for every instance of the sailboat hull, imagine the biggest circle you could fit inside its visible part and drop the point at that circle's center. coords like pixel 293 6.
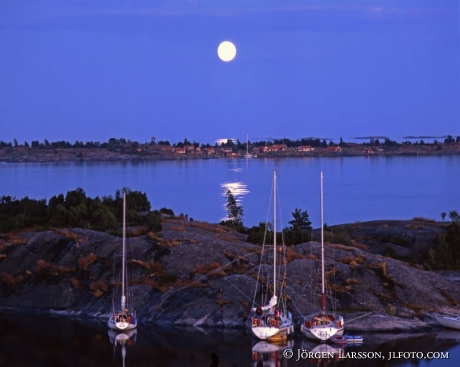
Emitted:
pixel 272 333
pixel 322 327
pixel 321 333
pixel 271 328
pixel 122 325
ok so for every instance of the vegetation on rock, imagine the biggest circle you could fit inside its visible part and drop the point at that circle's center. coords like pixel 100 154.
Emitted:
pixel 445 255
pixel 76 209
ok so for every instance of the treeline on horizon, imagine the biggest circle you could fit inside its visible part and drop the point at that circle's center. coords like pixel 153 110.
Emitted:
pixel 114 143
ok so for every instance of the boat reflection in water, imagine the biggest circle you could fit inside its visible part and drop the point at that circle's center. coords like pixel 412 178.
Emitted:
pixel 122 339
pixel 265 354
pixel 323 354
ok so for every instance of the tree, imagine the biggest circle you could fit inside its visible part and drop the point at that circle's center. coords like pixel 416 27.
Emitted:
pixel 258 234
pixel 102 217
pixel 443 216
pixel 300 229
pixel 446 253
pixel 454 216
pixel 301 220
pixel 229 143
pixel 234 211
pixel 75 198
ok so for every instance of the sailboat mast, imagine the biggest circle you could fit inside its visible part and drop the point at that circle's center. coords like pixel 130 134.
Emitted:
pixel 323 292
pixel 274 233
pixel 123 262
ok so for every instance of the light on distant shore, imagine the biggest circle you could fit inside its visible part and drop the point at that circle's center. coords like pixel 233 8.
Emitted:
pixel 224 141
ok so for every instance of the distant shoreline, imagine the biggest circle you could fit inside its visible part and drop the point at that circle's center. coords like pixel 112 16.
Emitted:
pixel 23 154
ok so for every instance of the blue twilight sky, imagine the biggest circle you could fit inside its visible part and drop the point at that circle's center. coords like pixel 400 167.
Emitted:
pixel 90 70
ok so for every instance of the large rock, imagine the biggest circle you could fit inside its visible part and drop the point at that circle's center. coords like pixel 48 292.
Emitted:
pixel 203 275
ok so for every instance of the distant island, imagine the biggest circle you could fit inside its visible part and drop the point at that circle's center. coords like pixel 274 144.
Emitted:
pixel 116 149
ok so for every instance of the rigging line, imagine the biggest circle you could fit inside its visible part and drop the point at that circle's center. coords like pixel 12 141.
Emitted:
pixel 300 295
pixel 264 243
pixel 300 313
pixel 334 290
pixel 313 282
pixel 113 285
pixel 260 267
pixel 284 278
pixel 239 290
pixel 356 318
pixel 202 277
pixel 284 247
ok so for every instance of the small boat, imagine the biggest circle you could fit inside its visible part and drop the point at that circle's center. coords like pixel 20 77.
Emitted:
pixel 272 321
pixel 338 339
pixel 123 318
pixel 323 324
pixel 449 321
pixel 347 339
pixel 355 339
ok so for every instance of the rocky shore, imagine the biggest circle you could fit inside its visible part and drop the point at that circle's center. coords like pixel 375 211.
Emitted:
pixel 203 275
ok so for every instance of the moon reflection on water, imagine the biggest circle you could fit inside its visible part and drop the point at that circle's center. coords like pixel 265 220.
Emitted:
pixel 237 188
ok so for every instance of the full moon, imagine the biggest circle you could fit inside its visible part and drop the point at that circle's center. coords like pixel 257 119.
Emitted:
pixel 226 51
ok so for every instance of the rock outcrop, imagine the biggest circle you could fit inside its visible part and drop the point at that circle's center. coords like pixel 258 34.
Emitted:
pixel 200 274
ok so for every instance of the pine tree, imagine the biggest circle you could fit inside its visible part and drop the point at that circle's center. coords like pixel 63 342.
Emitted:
pixel 234 211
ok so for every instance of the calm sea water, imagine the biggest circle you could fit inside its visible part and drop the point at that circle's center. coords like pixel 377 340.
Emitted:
pixel 356 189
pixel 35 341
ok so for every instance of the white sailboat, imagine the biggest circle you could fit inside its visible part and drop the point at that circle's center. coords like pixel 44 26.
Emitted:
pixel 247 155
pixel 123 318
pixel 324 324
pixel 272 322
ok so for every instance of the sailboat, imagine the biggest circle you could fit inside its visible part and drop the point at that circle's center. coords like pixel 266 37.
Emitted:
pixel 247 155
pixel 322 325
pixel 123 318
pixel 270 321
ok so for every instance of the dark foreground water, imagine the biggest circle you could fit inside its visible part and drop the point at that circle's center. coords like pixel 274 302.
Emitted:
pixel 31 340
